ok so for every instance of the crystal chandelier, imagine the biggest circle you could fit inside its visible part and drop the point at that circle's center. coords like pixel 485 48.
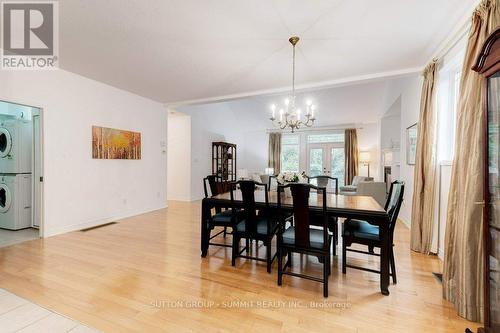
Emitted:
pixel 291 115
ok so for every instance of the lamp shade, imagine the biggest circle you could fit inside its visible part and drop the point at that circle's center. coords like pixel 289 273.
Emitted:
pixel 364 157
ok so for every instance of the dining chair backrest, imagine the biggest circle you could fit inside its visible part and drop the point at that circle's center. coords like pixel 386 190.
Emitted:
pixel 247 188
pixel 393 204
pixel 324 181
pixel 273 183
pixel 301 211
pixel 215 184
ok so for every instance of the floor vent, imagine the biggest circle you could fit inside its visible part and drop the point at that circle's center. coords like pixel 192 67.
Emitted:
pixel 98 226
pixel 438 276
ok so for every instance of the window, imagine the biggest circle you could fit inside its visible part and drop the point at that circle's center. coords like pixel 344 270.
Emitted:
pixel 447 104
pixel 448 95
pixel 326 138
pixel 290 152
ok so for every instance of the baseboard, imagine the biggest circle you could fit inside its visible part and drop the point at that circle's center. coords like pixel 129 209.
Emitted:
pixel 97 222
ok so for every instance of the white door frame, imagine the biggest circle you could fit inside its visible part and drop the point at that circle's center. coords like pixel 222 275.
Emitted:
pixel 41 199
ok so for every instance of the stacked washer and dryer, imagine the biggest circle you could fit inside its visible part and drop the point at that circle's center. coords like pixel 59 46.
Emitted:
pixel 16 141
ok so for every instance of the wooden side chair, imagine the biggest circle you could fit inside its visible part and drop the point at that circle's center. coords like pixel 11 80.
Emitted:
pixel 253 226
pixel 301 238
pixel 362 232
pixel 222 218
pixel 317 219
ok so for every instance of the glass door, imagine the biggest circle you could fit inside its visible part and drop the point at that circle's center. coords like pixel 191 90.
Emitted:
pixel 326 159
pixel 337 164
pixel 317 156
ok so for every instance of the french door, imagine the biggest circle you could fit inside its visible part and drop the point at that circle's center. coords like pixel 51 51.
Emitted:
pixel 326 159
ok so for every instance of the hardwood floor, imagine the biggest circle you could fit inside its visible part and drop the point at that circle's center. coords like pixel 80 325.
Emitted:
pixel 145 274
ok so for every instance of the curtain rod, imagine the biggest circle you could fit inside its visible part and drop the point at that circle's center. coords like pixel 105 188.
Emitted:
pixel 315 129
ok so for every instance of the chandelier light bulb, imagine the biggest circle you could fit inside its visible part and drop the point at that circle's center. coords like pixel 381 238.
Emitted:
pixel 273 108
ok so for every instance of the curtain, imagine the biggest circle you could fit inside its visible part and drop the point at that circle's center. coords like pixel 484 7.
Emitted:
pixel 351 154
pixel 422 213
pixel 463 261
pixel 274 154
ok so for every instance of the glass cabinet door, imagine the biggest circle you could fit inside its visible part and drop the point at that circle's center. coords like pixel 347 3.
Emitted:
pixel 494 200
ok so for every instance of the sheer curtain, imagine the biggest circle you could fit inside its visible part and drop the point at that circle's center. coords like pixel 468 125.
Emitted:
pixel 351 154
pixel 422 213
pixel 274 153
pixel 463 264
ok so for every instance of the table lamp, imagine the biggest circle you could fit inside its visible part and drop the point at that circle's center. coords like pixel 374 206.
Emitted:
pixel 364 158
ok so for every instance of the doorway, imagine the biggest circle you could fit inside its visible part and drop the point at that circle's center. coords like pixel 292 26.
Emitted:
pixel 20 173
pixel 326 159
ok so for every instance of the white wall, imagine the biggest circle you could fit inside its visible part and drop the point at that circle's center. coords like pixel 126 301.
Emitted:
pixel 79 191
pixel 179 157
pixel 245 122
pixel 410 109
pixel 368 140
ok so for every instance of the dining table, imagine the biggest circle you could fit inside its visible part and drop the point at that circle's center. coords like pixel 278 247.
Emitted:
pixel 363 208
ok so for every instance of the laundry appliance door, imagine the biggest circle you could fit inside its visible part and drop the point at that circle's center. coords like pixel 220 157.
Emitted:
pixel 5 142
pixel 5 198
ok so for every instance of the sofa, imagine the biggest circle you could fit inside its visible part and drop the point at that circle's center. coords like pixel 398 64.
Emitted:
pixel 367 187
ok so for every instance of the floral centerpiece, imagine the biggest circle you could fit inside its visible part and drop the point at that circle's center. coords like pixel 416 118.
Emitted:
pixel 290 177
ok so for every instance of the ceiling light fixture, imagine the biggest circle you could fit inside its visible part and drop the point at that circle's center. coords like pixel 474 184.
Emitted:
pixel 291 115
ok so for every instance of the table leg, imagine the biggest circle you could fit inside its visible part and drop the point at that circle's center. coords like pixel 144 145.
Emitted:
pixel 384 257
pixel 205 211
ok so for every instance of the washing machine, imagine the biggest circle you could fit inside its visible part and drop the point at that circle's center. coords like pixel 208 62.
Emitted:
pixel 16 140
pixel 15 201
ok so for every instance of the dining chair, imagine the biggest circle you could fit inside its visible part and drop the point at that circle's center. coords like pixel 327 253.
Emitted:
pixel 300 237
pixel 362 232
pixel 222 218
pixel 273 179
pixel 323 182
pixel 253 225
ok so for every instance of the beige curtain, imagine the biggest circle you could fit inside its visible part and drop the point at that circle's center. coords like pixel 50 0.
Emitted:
pixel 274 152
pixel 463 261
pixel 422 214
pixel 351 154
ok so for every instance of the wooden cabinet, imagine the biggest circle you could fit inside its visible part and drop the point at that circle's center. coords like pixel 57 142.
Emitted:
pixel 224 160
pixel 488 64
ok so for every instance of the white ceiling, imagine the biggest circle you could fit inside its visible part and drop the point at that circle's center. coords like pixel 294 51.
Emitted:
pixel 351 104
pixel 184 50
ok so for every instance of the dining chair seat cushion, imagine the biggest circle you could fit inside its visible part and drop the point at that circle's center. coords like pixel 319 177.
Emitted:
pixel 315 237
pixel 223 217
pixel 361 229
pixel 261 225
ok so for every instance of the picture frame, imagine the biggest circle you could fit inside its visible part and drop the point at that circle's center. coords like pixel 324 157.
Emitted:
pixel 411 144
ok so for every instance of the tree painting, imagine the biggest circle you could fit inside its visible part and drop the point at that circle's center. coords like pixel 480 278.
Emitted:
pixel 110 143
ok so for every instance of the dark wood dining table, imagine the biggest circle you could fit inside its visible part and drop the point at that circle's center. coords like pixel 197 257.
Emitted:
pixel 353 207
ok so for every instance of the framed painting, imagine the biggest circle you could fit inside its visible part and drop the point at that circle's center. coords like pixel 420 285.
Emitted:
pixel 411 144
pixel 110 143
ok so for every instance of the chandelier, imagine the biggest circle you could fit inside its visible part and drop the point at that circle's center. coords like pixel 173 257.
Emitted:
pixel 290 115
